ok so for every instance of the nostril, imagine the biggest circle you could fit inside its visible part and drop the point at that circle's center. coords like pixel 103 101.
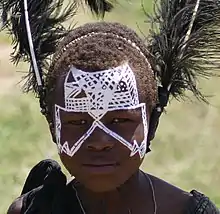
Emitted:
pixel 99 147
pixel 107 148
pixel 89 147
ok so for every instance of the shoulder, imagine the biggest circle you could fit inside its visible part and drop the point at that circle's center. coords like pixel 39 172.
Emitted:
pixel 200 203
pixel 170 199
pixel 16 206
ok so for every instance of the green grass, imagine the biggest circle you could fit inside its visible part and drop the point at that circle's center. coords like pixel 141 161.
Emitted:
pixel 4 38
pixel 185 151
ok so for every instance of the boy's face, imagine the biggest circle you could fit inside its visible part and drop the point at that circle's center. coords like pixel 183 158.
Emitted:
pixel 101 128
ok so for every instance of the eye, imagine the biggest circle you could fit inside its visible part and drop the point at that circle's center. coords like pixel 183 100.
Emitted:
pixel 76 122
pixel 120 120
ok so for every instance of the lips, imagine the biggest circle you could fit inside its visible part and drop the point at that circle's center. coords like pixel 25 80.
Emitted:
pixel 100 168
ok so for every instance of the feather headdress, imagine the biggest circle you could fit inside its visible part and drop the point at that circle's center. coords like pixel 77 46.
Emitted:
pixel 99 7
pixel 185 43
pixel 184 40
pixel 36 27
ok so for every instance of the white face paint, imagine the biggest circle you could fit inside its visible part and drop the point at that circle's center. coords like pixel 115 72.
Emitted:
pixel 107 90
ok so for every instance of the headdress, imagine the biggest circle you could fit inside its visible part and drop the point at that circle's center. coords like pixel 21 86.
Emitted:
pixel 183 43
pixel 36 27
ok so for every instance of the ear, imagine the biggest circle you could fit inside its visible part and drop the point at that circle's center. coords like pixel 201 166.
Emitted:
pixel 51 125
pixel 52 131
pixel 163 97
pixel 49 118
pixel 154 122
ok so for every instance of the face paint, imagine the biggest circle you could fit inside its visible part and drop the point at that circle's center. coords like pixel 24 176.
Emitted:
pixel 107 90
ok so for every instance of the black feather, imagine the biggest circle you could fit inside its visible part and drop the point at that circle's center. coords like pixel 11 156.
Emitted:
pixel 99 7
pixel 46 22
pixel 178 60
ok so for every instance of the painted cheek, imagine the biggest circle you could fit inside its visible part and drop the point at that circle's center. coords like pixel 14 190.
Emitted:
pixel 70 134
pixel 138 134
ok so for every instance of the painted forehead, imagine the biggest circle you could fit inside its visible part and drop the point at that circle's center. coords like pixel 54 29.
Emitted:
pixel 97 93
pixel 105 90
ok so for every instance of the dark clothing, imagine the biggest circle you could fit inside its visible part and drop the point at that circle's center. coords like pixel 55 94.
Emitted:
pixel 46 192
pixel 200 204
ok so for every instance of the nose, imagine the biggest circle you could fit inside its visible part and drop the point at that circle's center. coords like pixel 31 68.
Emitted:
pixel 100 141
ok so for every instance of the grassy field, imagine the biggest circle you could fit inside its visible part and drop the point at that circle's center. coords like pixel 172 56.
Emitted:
pixel 185 151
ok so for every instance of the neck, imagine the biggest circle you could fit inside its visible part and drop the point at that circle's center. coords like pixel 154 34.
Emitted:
pixel 122 196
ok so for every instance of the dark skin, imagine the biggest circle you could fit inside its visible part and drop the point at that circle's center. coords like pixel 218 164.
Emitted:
pixel 118 188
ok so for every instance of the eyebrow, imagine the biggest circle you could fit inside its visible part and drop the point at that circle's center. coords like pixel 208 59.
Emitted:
pixel 133 112
pixel 136 112
pixel 65 115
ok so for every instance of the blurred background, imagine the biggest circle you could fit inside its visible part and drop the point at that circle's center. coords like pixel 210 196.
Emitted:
pixel 185 151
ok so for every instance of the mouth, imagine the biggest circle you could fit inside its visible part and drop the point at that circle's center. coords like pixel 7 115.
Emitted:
pixel 100 168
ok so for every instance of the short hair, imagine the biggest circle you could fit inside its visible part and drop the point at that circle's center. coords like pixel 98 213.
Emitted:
pixel 98 46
